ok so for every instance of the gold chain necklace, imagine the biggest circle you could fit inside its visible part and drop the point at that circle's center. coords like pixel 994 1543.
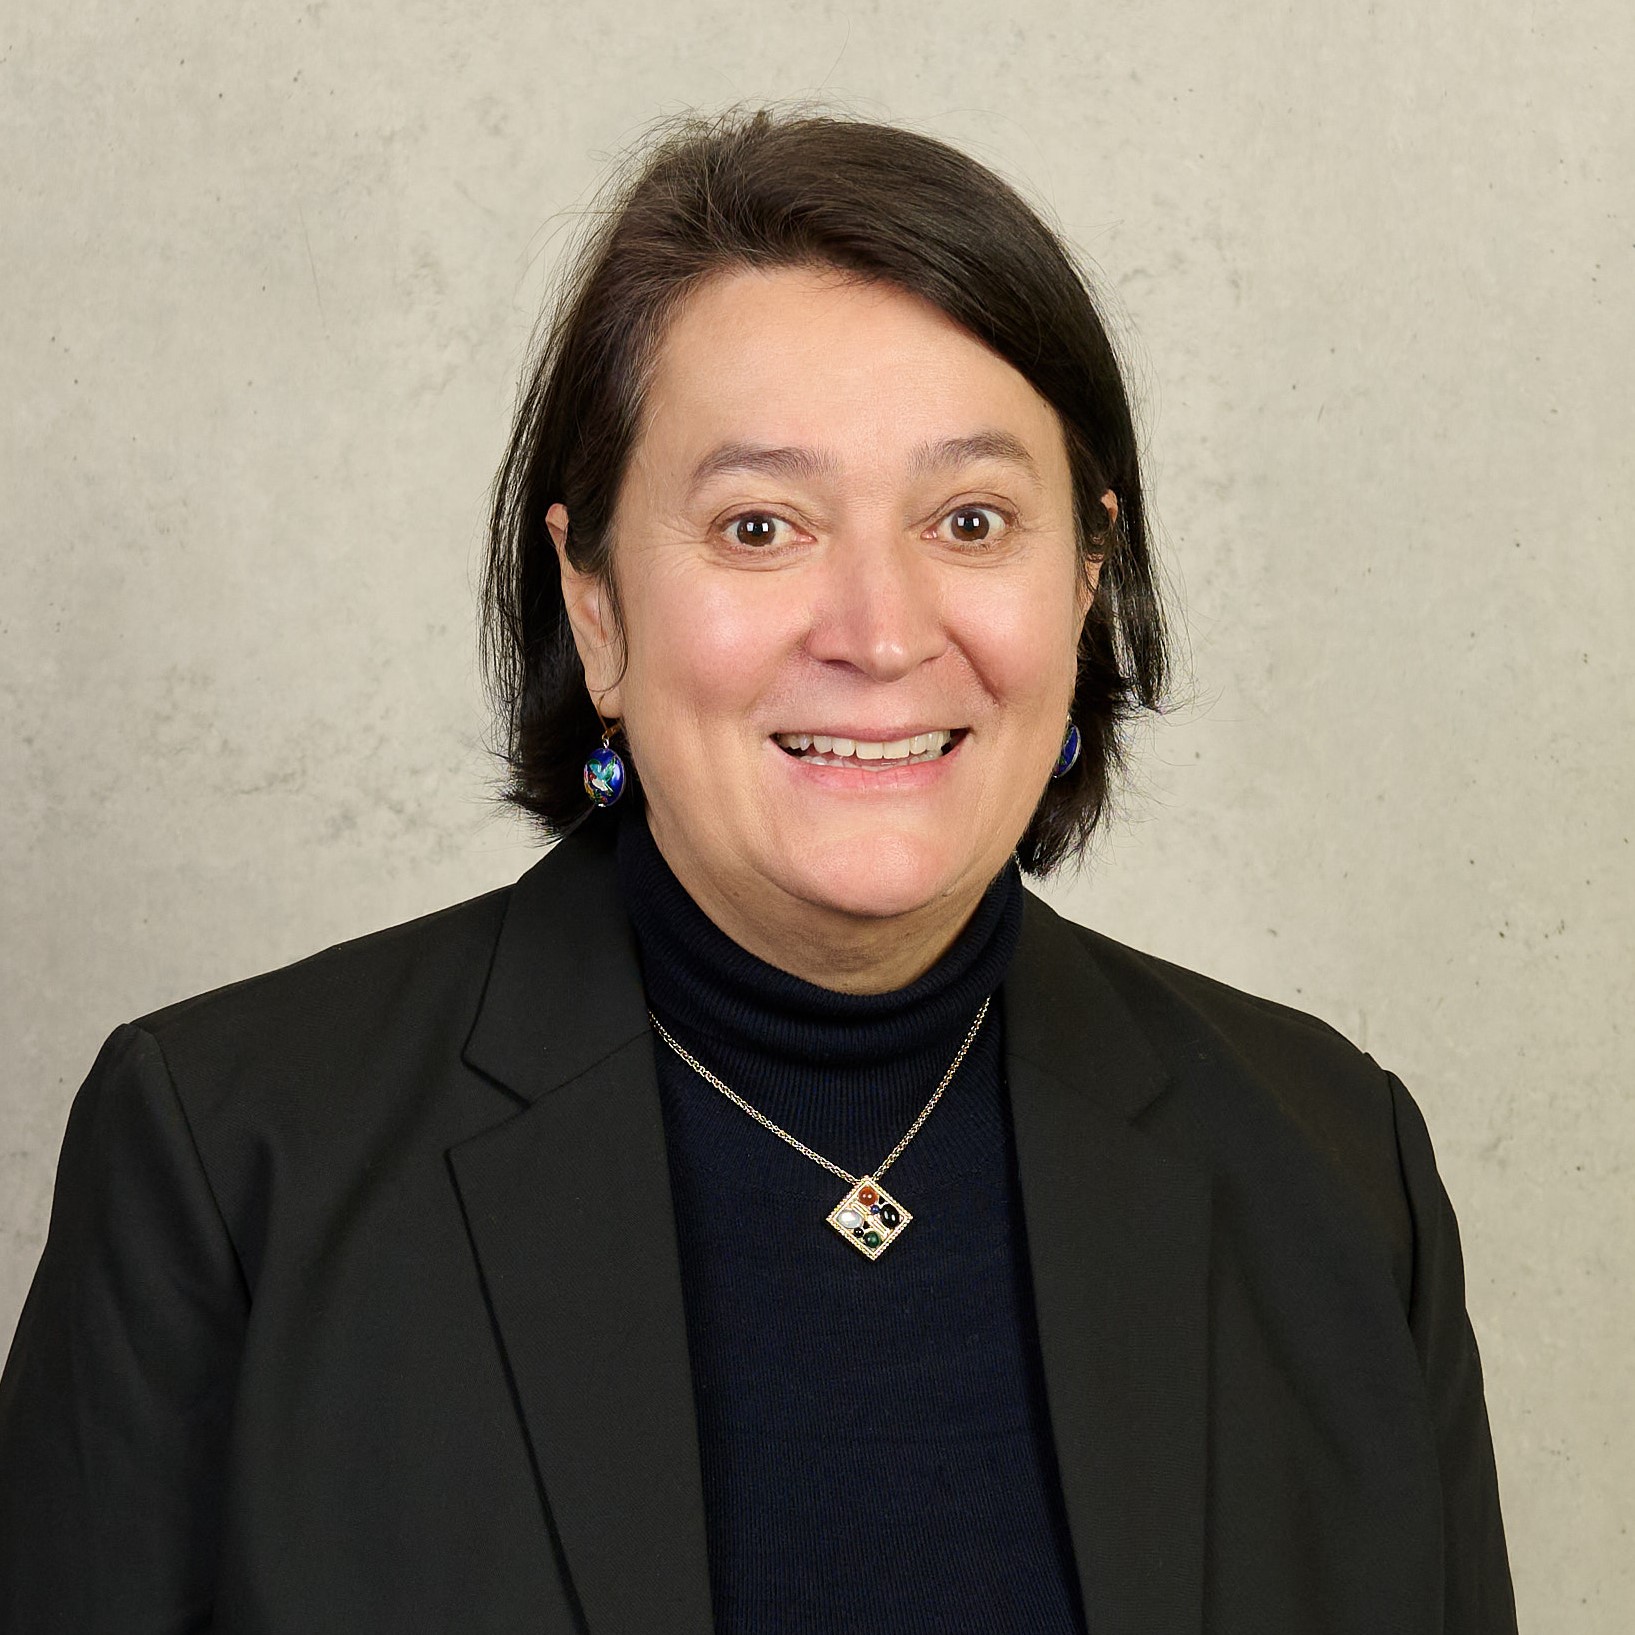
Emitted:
pixel 868 1217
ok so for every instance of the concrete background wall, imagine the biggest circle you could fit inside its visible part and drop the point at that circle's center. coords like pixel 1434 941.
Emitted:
pixel 267 277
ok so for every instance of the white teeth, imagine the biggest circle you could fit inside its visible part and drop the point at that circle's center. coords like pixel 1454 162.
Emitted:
pixel 924 746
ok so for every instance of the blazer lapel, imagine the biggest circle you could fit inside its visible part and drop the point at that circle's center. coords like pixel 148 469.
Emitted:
pixel 569 1209
pixel 1118 1241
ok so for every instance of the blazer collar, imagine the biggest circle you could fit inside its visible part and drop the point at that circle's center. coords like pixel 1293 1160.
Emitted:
pixel 569 1209
pixel 564 990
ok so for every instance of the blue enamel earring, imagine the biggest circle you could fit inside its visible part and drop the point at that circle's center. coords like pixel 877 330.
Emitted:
pixel 604 772
pixel 1070 752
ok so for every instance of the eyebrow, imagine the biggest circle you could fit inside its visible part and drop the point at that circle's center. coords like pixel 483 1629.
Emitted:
pixel 807 464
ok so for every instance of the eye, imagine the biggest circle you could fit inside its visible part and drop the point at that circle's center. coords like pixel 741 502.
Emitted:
pixel 755 530
pixel 976 524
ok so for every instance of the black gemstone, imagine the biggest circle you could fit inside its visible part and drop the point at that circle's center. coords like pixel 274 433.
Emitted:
pixel 889 1214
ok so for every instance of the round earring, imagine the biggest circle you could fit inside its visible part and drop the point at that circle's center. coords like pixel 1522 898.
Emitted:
pixel 1070 752
pixel 604 772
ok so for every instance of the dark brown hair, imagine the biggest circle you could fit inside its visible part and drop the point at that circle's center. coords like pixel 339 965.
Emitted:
pixel 707 194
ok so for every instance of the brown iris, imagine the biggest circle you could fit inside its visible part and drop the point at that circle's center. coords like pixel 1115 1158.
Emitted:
pixel 755 530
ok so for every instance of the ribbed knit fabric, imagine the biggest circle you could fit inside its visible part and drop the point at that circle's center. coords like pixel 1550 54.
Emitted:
pixel 875 1445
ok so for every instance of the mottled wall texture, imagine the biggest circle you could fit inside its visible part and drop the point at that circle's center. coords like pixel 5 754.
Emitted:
pixel 267 278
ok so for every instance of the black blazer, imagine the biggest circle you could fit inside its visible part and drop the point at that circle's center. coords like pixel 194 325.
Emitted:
pixel 360 1309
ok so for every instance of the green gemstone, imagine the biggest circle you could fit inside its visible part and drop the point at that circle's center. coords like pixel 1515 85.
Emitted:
pixel 872 1239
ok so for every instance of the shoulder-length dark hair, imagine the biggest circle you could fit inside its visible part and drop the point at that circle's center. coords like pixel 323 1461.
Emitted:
pixel 711 194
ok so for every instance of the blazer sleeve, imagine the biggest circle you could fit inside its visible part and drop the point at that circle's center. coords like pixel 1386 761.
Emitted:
pixel 116 1398
pixel 1478 1597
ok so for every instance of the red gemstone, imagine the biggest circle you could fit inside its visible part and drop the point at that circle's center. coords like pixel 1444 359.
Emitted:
pixel 867 1195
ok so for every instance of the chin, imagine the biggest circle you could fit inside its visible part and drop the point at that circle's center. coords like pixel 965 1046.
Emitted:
pixel 877 877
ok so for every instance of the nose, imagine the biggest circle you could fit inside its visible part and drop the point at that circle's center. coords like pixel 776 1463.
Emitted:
pixel 879 607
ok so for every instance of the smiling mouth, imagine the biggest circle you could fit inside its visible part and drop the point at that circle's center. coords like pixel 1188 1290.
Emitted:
pixel 825 749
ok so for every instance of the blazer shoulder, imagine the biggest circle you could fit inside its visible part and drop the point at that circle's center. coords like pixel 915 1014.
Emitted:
pixel 1261 1077
pixel 314 1042
pixel 446 942
pixel 1193 1013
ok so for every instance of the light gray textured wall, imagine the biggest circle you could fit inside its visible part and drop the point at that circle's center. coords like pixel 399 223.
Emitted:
pixel 267 275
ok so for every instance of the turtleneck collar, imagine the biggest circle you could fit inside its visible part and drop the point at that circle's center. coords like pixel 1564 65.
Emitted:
pixel 849 1070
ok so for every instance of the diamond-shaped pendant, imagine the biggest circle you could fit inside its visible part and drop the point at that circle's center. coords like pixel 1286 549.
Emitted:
pixel 869 1218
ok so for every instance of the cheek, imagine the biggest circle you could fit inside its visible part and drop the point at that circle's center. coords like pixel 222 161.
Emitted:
pixel 704 651
pixel 1022 643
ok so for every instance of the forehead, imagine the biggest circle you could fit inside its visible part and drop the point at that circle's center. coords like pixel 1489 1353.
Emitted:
pixel 813 358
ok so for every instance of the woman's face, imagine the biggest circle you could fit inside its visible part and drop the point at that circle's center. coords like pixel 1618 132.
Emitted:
pixel 844 518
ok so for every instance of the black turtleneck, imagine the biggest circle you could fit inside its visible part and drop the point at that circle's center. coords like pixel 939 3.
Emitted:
pixel 875 1445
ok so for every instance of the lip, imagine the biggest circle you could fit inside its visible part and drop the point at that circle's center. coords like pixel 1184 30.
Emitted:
pixel 905 778
pixel 874 735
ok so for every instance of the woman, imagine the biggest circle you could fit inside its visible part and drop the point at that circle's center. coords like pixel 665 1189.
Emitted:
pixel 768 1215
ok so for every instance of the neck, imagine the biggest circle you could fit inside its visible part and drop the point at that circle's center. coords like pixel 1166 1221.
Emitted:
pixel 849 953
pixel 845 1072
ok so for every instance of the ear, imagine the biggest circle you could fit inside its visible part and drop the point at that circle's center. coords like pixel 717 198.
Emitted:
pixel 1091 575
pixel 595 632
